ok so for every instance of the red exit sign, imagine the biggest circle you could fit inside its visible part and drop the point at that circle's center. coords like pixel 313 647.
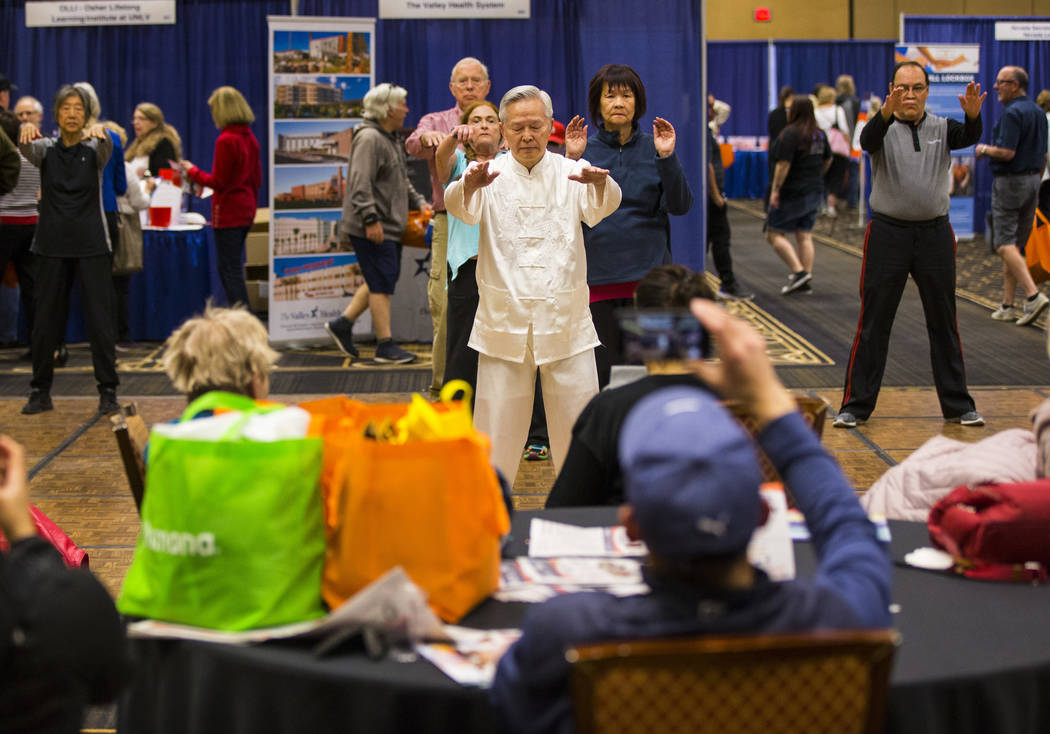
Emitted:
pixel 762 15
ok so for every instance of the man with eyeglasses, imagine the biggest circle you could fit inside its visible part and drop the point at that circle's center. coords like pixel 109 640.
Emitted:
pixel 1017 159
pixel 469 83
pixel 909 234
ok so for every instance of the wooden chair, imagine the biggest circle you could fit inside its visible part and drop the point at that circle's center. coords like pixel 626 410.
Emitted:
pixel 815 683
pixel 132 436
pixel 813 410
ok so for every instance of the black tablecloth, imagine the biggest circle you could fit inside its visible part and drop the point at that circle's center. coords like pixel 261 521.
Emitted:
pixel 975 658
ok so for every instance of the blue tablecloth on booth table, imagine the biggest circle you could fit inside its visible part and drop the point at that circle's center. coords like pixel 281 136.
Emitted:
pixel 747 177
pixel 178 279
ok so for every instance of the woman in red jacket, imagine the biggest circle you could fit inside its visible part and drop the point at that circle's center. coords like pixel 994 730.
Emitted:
pixel 236 179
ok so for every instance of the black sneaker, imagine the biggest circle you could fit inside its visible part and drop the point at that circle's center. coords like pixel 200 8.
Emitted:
pixel 733 292
pixel 342 332
pixel 39 402
pixel 107 401
pixel 795 282
pixel 387 352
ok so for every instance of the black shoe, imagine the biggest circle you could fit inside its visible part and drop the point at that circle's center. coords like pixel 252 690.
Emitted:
pixel 107 401
pixel 342 332
pixel 61 355
pixel 39 402
pixel 795 282
pixel 387 352
pixel 733 292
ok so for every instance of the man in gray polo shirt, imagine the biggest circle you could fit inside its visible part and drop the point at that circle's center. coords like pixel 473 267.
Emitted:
pixel 909 234
pixel 1017 161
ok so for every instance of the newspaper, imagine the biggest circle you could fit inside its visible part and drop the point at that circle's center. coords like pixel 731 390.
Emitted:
pixel 391 602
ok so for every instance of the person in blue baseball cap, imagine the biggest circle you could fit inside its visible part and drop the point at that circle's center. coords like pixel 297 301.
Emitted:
pixel 691 479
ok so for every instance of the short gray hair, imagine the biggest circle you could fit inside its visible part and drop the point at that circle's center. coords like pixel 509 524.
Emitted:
pixel 468 60
pixel 37 107
pixel 525 91
pixel 94 110
pixel 381 98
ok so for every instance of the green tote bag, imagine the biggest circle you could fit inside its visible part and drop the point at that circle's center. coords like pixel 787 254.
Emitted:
pixel 232 533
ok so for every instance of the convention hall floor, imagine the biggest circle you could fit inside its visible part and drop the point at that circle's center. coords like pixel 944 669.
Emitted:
pixel 78 479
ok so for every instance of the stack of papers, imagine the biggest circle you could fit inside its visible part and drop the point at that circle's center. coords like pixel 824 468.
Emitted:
pixel 534 580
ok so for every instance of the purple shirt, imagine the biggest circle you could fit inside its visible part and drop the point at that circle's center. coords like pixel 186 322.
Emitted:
pixel 442 122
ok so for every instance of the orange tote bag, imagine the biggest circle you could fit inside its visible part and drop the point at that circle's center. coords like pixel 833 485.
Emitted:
pixel 433 507
pixel 1037 251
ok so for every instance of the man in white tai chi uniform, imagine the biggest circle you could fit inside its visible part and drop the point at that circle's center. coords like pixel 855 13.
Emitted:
pixel 532 279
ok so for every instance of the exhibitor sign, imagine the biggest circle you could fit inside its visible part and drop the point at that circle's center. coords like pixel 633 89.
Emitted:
pixel 449 9
pixel 144 12
pixel 1022 31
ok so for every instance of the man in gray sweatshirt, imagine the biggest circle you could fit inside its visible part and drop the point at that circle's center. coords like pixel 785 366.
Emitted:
pixel 909 234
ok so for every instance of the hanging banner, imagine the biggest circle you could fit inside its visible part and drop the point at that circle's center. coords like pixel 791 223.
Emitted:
pixel 143 12
pixel 320 70
pixel 1022 31
pixel 449 9
pixel 951 67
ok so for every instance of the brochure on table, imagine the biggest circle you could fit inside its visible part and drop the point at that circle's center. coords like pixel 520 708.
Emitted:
pixel 320 70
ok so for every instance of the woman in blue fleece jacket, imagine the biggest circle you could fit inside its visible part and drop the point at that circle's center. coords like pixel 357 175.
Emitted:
pixel 636 237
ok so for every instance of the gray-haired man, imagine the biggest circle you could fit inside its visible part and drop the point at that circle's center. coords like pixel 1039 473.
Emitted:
pixel 533 310
pixel 469 83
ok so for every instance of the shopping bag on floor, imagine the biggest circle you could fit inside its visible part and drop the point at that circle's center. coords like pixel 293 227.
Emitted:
pixel 1037 250
pixel 232 533
pixel 410 485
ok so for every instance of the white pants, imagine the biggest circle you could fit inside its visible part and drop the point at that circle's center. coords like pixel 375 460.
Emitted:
pixel 503 403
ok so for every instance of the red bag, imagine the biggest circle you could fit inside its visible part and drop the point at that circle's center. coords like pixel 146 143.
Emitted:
pixel 995 531
pixel 46 529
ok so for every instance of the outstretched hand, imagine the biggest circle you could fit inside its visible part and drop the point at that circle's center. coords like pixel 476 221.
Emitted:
pixel 478 177
pixel 972 99
pixel 743 371
pixel 98 130
pixel 590 175
pixel 894 101
pixel 462 132
pixel 28 133
pixel 575 138
pixel 663 137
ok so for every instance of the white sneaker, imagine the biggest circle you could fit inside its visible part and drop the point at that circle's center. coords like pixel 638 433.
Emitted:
pixel 1032 309
pixel 1005 313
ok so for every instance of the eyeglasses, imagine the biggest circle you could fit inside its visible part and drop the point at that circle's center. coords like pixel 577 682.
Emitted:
pixel 1001 82
pixel 475 81
pixel 914 88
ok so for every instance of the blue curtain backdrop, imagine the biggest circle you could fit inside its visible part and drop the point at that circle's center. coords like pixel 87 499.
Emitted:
pixel 804 64
pixel 174 66
pixel 219 42
pixel 738 73
pixel 559 50
pixel 1033 56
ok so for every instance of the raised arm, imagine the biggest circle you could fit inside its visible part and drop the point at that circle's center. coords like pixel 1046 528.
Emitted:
pixel 424 140
pixel 445 155
pixel 677 197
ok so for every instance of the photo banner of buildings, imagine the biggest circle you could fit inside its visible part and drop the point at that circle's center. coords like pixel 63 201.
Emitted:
pixel 320 70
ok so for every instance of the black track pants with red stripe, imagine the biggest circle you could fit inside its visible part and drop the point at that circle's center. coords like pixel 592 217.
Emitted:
pixel 894 249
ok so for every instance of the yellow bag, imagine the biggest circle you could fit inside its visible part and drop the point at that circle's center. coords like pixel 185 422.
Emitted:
pixel 431 505
pixel 1037 251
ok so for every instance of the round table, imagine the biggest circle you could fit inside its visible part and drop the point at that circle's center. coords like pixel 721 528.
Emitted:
pixel 975 657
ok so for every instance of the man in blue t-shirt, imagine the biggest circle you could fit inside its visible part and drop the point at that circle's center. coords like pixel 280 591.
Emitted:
pixel 1017 158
